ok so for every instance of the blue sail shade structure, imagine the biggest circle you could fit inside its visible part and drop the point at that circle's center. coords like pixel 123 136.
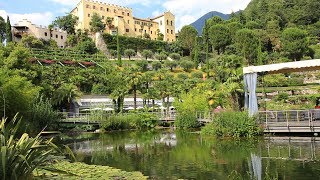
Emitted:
pixel 250 75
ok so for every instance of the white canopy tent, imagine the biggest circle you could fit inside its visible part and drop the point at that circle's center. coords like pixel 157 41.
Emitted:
pixel 250 77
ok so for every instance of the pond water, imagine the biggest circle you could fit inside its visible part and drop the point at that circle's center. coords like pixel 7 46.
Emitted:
pixel 167 154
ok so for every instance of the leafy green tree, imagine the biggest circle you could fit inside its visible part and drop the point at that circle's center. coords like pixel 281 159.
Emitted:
pixel 160 36
pixel 8 30
pixel 17 94
pixel 162 56
pixel 67 23
pixel 143 65
pixel 129 53
pixel 187 65
pixel 87 46
pixel 30 41
pixel 214 21
pixel 220 37
pixel 294 43
pixel 171 64
pixel 147 54
pixel 156 65
pixel 187 37
pixel 113 53
pixel 247 44
pixel 175 56
pixel 96 24
pixel 2 29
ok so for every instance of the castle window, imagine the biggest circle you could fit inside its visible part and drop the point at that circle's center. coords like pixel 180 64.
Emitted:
pixel 127 30
pixel 123 13
pixel 101 8
pixel 45 34
pixel 128 14
pixel 145 31
pixel 167 22
pixel 107 9
pixel 115 11
pixel 88 15
pixel 102 17
pixel 128 21
pixel 171 23
pixel 168 39
pixel 160 23
pixel 135 29
pixel 94 7
pixel 61 37
pixel 167 30
pixel 171 31
pixel 50 35
pixel 57 36
pixel 151 32
pixel 87 6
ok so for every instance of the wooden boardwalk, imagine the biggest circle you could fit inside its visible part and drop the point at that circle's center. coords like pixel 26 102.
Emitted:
pixel 290 121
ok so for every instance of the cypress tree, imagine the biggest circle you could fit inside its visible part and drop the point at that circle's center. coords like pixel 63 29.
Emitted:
pixel 8 30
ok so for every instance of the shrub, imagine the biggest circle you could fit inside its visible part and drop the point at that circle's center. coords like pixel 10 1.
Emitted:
pixel 42 114
pixel 130 121
pixel 282 97
pixel 175 56
pixel 232 124
pixel 186 119
pixel 197 74
pixel 182 76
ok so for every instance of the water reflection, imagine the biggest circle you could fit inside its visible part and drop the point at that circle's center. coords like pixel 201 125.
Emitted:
pixel 185 155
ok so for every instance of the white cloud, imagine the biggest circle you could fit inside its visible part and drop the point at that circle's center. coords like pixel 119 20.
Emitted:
pixel 187 12
pixel 36 18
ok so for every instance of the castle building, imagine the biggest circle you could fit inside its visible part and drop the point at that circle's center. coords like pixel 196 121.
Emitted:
pixel 25 27
pixel 115 16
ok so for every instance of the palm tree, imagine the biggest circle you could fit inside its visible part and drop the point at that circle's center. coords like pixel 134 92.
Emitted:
pixel 64 95
pixel 134 80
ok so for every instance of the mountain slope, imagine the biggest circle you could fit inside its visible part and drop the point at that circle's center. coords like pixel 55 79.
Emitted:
pixel 198 24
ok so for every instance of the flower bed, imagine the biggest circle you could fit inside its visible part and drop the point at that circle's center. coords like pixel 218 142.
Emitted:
pixel 47 61
pixel 69 62
pixel 32 60
pixel 86 63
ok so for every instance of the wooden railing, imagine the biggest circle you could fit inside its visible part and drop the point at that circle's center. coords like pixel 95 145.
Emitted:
pixel 96 118
pixel 290 120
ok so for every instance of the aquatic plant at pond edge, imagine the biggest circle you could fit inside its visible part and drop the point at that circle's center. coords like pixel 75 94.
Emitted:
pixel 130 121
pixel 232 124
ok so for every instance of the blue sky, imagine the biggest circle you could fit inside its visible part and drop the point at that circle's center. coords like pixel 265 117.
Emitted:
pixel 43 12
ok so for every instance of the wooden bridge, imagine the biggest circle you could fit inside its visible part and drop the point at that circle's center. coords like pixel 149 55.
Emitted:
pixel 290 121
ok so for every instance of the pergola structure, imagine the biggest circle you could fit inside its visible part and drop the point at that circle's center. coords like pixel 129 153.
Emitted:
pixel 250 75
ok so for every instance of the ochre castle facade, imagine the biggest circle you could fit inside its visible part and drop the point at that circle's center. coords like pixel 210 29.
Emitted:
pixel 122 18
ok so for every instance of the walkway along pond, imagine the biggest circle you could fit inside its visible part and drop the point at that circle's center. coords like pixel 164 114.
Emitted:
pixel 295 121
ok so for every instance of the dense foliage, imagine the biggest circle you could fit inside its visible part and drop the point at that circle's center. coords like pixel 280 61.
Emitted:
pixel 232 124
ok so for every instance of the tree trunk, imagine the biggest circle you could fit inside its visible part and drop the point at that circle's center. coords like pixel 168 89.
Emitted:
pixel 135 97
